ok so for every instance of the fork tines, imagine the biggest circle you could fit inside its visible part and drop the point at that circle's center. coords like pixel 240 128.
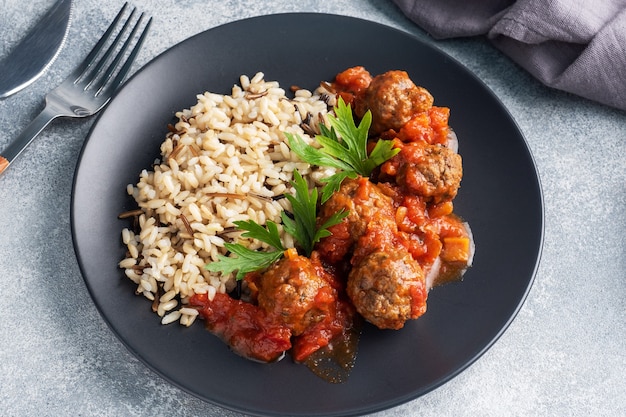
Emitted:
pixel 105 66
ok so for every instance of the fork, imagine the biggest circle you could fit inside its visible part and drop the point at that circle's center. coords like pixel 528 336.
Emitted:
pixel 90 86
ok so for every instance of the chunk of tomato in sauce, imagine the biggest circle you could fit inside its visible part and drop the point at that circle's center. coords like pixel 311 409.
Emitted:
pixel 246 328
pixel 430 126
pixel 351 83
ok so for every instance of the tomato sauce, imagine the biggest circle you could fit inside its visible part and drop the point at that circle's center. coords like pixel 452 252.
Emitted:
pixel 246 328
pixel 253 333
pixel 339 321
pixel 429 127
pixel 351 83
pixel 427 227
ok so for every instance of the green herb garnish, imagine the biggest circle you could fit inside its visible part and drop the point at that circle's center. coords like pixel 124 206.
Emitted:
pixel 302 227
pixel 249 260
pixel 344 147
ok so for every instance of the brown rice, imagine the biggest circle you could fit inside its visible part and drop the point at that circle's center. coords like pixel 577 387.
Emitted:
pixel 226 159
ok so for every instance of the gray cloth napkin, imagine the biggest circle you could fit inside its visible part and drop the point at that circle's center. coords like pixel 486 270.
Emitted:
pixel 577 46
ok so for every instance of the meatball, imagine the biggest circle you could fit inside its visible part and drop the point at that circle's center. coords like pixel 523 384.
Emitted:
pixel 388 288
pixel 393 100
pixel 293 292
pixel 431 171
pixel 365 204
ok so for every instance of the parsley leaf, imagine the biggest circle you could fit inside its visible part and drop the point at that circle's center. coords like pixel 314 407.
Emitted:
pixel 334 182
pixel 302 227
pixel 268 234
pixel 344 147
pixel 249 260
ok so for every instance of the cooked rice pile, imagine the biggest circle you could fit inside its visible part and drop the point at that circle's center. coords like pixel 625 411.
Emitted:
pixel 226 159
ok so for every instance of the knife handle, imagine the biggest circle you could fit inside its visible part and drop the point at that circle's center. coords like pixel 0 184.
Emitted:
pixel 4 164
pixel 26 137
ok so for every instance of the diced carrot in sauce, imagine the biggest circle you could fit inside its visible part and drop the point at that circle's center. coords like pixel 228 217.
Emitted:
pixel 440 209
pixel 455 249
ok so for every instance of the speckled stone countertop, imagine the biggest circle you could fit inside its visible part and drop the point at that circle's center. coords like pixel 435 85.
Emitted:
pixel 564 354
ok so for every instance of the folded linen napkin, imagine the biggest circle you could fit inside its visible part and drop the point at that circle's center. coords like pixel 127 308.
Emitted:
pixel 577 46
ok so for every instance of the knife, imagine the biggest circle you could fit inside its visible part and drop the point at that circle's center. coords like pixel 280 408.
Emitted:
pixel 37 51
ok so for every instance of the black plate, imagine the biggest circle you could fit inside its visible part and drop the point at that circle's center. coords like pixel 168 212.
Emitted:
pixel 500 197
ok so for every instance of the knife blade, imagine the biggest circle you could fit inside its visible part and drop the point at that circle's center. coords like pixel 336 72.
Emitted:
pixel 37 51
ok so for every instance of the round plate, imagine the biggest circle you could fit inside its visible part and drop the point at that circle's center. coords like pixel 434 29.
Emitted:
pixel 500 196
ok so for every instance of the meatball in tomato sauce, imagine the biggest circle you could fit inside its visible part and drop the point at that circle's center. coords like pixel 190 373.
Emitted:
pixel 366 204
pixel 293 291
pixel 388 288
pixel 385 284
pixel 393 100
pixel 430 171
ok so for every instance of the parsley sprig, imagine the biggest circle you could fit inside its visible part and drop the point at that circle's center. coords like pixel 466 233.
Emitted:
pixel 302 226
pixel 344 147
pixel 249 260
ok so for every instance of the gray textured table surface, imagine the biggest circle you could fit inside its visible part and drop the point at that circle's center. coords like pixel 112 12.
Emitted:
pixel 565 354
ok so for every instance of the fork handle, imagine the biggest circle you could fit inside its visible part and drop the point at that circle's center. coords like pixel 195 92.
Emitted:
pixel 26 137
